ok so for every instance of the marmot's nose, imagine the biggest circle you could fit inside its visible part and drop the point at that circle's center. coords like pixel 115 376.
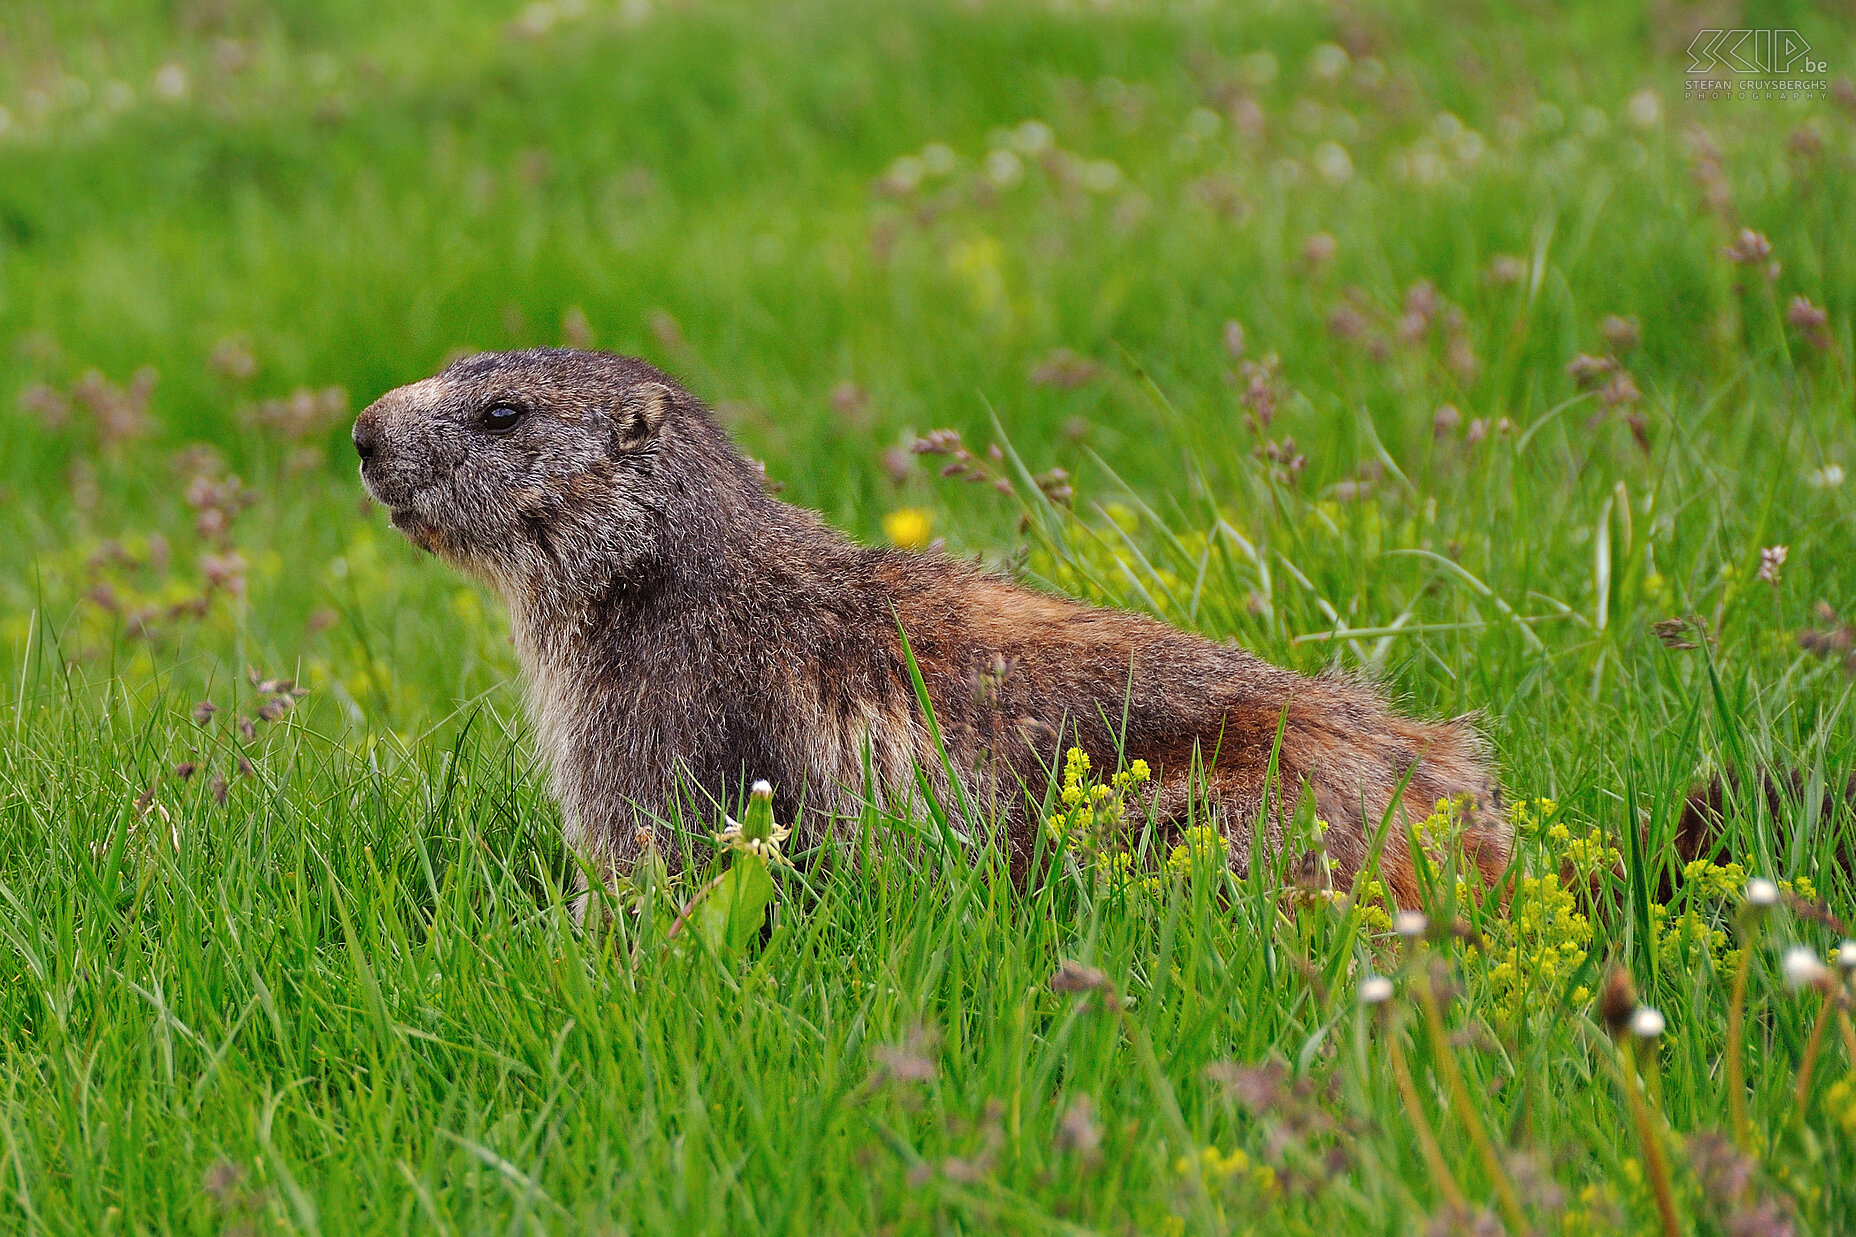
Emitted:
pixel 366 436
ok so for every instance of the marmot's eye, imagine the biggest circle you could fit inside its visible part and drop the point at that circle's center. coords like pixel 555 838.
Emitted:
pixel 499 419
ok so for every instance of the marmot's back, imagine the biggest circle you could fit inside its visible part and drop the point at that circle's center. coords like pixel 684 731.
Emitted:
pixel 1007 667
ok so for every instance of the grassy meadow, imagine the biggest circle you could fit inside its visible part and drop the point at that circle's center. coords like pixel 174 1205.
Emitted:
pixel 1446 345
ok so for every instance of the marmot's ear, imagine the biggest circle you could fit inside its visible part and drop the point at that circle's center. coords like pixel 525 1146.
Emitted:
pixel 639 413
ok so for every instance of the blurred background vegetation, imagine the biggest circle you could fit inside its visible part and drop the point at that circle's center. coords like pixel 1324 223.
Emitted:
pixel 1455 344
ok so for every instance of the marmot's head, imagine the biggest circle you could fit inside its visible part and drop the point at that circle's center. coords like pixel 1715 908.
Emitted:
pixel 538 470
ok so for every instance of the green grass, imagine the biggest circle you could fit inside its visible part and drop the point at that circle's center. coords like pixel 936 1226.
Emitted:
pixel 350 998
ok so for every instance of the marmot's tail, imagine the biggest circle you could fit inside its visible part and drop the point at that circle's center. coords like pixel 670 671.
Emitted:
pixel 1701 831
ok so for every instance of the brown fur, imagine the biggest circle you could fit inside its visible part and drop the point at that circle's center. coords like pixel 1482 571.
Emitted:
pixel 1702 829
pixel 676 622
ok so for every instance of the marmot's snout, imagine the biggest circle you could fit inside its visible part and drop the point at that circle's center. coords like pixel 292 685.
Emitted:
pixel 366 436
pixel 370 443
pixel 391 474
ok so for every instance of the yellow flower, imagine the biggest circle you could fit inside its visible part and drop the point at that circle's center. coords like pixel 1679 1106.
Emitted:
pixel 1544 939
pixel 1802 887
pixel 1441 832
pixel 1529 815
pixel 1215 1166
pixel 908 527
pixel 1709 880
pixel 1840 1105
pixel 1115 867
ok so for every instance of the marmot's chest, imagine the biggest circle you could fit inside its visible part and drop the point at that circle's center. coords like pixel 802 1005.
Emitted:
pixel 620 738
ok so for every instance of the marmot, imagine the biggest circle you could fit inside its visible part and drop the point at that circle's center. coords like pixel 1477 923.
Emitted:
pixel 677 624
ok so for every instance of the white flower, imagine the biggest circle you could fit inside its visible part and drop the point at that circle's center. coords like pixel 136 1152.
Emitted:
pixel 1644 109
pixel 1646 1023
pixel 1003 168
pixel 1761 893
pixel 1771 559
pixel 1033 138
pixel 1410 924
pixel 1328 61
pixel 170 82
pixel 1802 967
pixel 1829 477
pixel 1846 955
pixel 536 20
pixel 1333 162
pixel 1375 990
pixel 938 158
pixel 906 173
pixel 1425 164
pixel 1100 175
pixel 1468 147
pixel 762 838
pixel 768 847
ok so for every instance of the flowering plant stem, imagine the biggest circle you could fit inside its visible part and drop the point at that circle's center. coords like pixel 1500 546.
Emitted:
pixel 1654 1163
pixel 1736 1065
pixel 1466 1112
pixel 1811 1048
pixel 1427 1140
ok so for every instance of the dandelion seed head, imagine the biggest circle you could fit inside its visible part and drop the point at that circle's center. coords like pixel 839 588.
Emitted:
pixel 1328 61
pixel 1004 168
pixel 905 174
pixel 170 82
pixel 1333 163
pixel 938 158
pixel 1644 109
pixel 1100 175
pixel 1803 968
pixel 1033 138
